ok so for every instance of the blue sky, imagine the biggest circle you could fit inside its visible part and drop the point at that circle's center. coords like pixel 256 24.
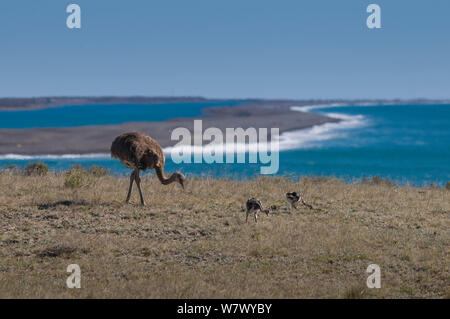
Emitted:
pixel 225 49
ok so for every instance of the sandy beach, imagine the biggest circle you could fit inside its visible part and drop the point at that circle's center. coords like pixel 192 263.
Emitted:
pixel 97 139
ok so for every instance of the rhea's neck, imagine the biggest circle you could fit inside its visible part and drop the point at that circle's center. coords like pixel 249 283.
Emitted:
pixel 162 178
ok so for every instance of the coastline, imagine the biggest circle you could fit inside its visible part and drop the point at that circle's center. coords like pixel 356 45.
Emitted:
pixel 35 103
pixel 98 138
pixel 287 115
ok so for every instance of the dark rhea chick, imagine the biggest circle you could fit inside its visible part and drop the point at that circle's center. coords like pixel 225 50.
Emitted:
pixel 294 198
pixel 138 152
pixel 254 205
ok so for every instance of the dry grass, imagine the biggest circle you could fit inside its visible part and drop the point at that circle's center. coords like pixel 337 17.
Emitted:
pixel 195 244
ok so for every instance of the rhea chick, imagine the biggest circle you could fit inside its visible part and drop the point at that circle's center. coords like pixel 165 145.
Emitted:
pixel 294 198
pixel 254 206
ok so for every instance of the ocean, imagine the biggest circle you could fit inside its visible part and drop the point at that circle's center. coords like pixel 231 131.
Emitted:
pixel 103 114
pixel 410 144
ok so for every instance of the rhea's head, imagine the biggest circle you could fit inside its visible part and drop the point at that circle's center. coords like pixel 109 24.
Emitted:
pixel 180 178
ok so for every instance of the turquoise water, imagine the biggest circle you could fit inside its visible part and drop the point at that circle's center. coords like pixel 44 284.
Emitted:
pixel 407 143
pixel 102 114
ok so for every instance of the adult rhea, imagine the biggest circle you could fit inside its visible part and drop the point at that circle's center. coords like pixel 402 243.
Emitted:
pixel 138 151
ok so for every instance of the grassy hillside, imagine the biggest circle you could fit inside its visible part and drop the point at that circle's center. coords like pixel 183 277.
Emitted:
pixel 195 243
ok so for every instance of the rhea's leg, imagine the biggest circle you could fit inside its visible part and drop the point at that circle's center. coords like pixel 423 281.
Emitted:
pixel 246 216
pixel 307 205
pixel 256 216
pixel 138 183
pixel 131 186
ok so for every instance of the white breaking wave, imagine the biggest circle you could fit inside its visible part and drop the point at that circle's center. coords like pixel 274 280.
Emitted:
pixel 310 137
pixel 217 148
pixel 307 108
pixel 298 139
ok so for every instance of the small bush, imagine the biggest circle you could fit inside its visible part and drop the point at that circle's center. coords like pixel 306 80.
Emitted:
pixel 447 186
pixel 11 168
pixel 77 178
pixel 98 171
pixel 37 169
pixel 376 180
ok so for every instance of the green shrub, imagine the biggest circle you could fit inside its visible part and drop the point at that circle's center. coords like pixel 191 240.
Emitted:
pixel 447 186
pixel 98 171
pixel 37 168
pixel 77 178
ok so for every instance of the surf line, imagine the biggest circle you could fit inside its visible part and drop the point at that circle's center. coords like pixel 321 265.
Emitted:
pixel 312 136
pixel 220 149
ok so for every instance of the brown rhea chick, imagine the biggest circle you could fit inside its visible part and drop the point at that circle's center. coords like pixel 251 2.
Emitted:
pixel 140 152
pixel 294 198
pixel 254 205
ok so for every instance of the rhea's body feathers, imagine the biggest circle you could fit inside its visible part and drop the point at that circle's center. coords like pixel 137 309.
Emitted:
pixel 254 205
pixel 138 151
